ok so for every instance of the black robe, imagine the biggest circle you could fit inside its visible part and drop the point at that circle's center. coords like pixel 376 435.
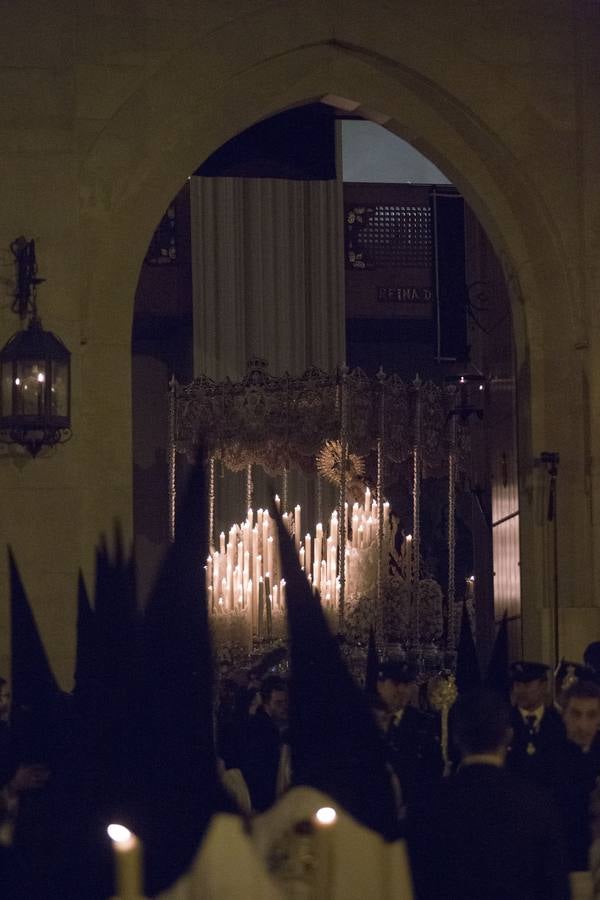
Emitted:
pixel 578 777
pixel 416 756
pixel 487 835
pixel 537 757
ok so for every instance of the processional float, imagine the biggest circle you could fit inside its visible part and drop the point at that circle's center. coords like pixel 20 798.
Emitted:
pixel 368 571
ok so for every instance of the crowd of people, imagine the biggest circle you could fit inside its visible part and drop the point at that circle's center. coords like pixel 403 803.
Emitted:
pixel 505 809
pixel 513 810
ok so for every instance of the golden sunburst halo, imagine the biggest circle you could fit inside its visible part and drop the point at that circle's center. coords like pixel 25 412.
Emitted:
pixel 329 463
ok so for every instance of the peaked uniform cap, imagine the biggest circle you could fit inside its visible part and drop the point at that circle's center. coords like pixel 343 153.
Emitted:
pixel 524 671
pixel 569 672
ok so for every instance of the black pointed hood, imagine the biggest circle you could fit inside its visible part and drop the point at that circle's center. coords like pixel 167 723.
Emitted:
pixel 183 788
pixel 335 744
pixel 497 678
pixel 85 658
pixel 372 665
pixel 468 676
pixel 33 681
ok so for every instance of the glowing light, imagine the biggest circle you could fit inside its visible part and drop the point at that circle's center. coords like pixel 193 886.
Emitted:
pixel 41 377
pixel 409 537
pixel 326 815
pixel 471 578
pixel 119 833
pixel 17 381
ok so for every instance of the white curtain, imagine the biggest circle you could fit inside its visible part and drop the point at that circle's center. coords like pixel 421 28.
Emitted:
pixel 268 277
pixel 268 282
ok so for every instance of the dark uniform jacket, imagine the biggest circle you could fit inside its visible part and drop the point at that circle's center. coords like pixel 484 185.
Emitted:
pixel 579 775
pixel 487 835
pixel 416 756
pixel 536 754
pixel 260 759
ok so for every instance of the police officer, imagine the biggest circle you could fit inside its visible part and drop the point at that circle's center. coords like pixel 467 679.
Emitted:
pixel 412 734
pixel 535 752
pixel 581 767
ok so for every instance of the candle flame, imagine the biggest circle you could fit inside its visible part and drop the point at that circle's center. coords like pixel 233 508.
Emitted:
pixel 326 815
pixel 119 833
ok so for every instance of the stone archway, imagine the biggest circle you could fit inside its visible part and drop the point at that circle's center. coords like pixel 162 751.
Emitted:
pixel 153 96
pixel 138 165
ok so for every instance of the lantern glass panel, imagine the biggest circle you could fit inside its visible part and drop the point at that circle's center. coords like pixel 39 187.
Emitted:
pixel 30 386
pixel 7 388
pixel 59 389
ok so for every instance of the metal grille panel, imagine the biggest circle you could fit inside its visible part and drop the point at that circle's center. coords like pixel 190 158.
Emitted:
pixel 392 236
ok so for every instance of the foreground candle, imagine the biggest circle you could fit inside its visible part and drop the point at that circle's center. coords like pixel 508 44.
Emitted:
pixel 324 821
pixel 128 862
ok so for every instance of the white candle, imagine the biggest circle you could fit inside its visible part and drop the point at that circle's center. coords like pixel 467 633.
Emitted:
pixel 224 588
pixel 324 873
pixel 222 543
pixel 297 527
pixel 128 862
pixel 408 552
pixel 307 558
pixel 246 571
pixel 277 503
pixel 318 545
pixel 229 582
pixel 270 554
pixel 216 572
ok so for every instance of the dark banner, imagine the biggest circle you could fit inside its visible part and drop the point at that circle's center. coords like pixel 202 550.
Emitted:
pixel 449 275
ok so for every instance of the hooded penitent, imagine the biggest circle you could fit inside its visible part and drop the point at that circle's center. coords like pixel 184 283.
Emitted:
pixel 141 748
pixel 182 788
pixel 335 744
pixel 468 676
pixel 35 692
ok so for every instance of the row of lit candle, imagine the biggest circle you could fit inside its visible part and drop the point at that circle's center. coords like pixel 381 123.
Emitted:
pixel 243 575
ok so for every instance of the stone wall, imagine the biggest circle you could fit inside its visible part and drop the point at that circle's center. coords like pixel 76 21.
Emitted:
pixel 106 108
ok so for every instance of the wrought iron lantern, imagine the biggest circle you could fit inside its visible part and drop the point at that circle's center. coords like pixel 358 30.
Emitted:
pixel 35 370
pixel 470 391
